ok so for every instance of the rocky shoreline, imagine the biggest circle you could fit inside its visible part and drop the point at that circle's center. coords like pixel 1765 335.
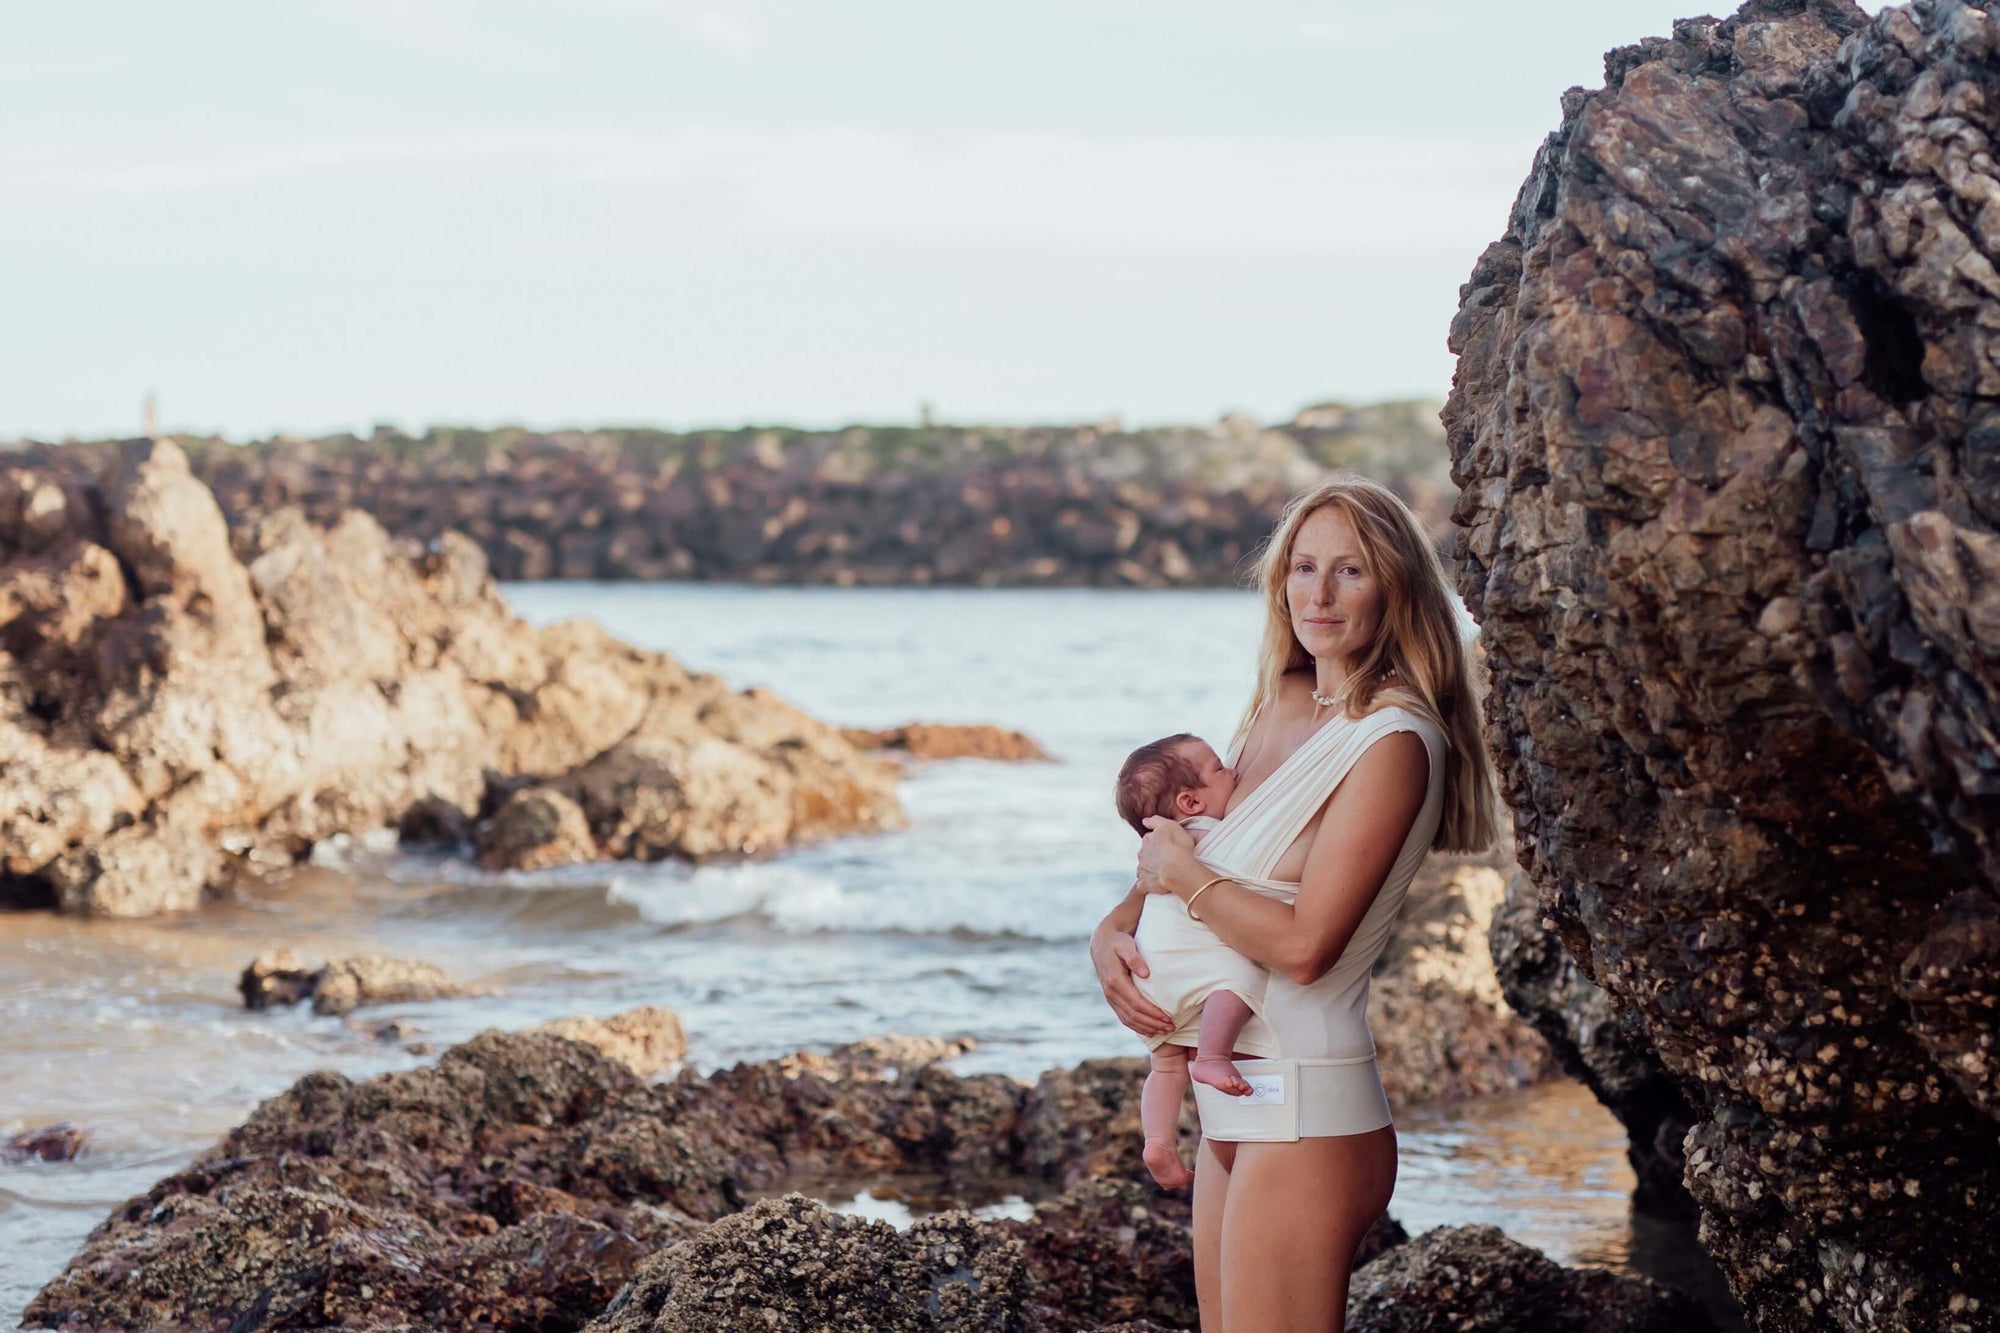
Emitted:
pixel 527 1181
pixel 991 506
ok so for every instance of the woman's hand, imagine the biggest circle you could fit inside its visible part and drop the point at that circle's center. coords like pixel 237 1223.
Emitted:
pixel 1115 956
pixel 1165 852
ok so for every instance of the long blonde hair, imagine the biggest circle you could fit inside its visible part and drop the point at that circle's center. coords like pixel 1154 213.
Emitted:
pixel 1418 641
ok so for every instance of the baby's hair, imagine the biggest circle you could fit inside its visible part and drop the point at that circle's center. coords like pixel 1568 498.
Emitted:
pixel 1152 776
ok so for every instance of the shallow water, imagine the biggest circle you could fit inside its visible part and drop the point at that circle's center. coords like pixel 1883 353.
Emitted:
pixel 972 921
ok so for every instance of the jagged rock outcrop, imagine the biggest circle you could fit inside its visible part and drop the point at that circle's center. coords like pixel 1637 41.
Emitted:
pixel 1442 1028
pixel 1545 984
pixel 1727 420
pixel 1458 1278
pixel 180 703
pixel 1093 504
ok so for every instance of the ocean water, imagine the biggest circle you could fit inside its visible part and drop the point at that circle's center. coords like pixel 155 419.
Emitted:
pixel 972 921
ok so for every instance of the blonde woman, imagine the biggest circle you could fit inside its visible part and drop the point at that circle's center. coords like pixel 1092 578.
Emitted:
pixel 1358 754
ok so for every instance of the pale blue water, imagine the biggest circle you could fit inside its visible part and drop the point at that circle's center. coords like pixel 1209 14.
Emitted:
pixel 972 921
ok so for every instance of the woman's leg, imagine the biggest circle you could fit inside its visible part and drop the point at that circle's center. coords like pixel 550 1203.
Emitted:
pixel 1211 1191
pixel 1295 1215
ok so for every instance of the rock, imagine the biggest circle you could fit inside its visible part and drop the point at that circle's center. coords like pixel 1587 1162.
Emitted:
pixel 1725 422
pixel 183 702
pixel 1442 1027
pixel 277 977
pixel 345 984
pixel 889 1056
pixel 931 740
pixel 53 1143
pixel 1455 1279
pixel 535 829
pixel 1582 1026
pixel 648 1040
pixel 790 1263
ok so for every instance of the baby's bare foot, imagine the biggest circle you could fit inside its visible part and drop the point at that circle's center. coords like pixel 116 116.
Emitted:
pixel 1220 1074
pixel 1165 1164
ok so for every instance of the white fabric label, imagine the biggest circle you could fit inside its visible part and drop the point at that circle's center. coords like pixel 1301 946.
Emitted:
pixel 1265 1090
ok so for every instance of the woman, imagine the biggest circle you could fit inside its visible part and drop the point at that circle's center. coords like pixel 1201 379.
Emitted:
pixel 1359 752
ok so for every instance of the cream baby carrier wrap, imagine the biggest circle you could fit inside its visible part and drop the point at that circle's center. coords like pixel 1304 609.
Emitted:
pixel 1319 1077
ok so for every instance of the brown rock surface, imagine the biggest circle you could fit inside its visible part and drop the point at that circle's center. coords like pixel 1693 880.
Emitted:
pixel 1727 420
pixel 345 984
pixel 648 1040
pixel 1442 1028
pixel 1581 1025
pixel 936 740
pixel 1455 1279
pixel 51 1143
pixel 535 829
pixel 521 1179
pixel 180 702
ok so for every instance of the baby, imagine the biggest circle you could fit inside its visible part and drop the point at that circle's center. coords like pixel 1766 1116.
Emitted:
pixel 1182 778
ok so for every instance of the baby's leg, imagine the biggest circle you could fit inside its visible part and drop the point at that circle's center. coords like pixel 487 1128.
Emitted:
pixel 1160 1116
pixel 1223 1015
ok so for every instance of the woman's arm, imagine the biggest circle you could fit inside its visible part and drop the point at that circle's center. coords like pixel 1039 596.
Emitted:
pixel 1361 832
pixel 1114 954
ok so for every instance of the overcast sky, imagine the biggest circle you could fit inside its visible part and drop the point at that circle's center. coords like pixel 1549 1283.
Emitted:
pixel 313 217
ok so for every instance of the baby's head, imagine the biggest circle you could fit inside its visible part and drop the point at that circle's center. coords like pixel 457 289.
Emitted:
pixel 1177 777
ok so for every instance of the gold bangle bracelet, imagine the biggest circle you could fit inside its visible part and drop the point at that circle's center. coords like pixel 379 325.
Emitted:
pixel 1198 892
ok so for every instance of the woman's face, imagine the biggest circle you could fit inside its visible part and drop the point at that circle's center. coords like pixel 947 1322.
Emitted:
pixel 1334 597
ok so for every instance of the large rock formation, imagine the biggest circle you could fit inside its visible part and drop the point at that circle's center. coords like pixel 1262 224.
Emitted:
pixel 1442 1028
pixel 179 701
pixel 1727 419
pixel 1094 504
pixel 1546 985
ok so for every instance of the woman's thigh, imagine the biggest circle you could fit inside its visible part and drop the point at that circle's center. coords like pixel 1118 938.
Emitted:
pixel 1291 1221
pixel 1211 1192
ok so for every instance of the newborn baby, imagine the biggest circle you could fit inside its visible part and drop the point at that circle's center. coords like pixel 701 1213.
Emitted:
pixel 1182 778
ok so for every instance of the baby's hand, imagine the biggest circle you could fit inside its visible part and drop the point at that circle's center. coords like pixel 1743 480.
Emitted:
pixel 1164 845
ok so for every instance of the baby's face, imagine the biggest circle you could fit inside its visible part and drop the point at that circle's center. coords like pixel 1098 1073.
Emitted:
pixel 1217 782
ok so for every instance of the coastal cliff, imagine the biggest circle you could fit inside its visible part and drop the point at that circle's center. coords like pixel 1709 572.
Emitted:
pixel 1042 506
pixel 182 701
pixel 1727 422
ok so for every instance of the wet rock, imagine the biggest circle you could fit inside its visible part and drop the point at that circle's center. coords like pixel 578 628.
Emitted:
pixel 345 984
pixel 276 977
pixel 1578 1019
pixel 1725 419
pixel 1442 1028
pixel 648 1040
pixel 53 1143
pixel 1461 1278
pixel 790 1263
pixel 931 740
pixel 535 829
pixel 437 1187
pixel 183 701
pixel 888 1056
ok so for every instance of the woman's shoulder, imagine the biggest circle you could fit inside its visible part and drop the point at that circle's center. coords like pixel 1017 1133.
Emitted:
pixel 1399 710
